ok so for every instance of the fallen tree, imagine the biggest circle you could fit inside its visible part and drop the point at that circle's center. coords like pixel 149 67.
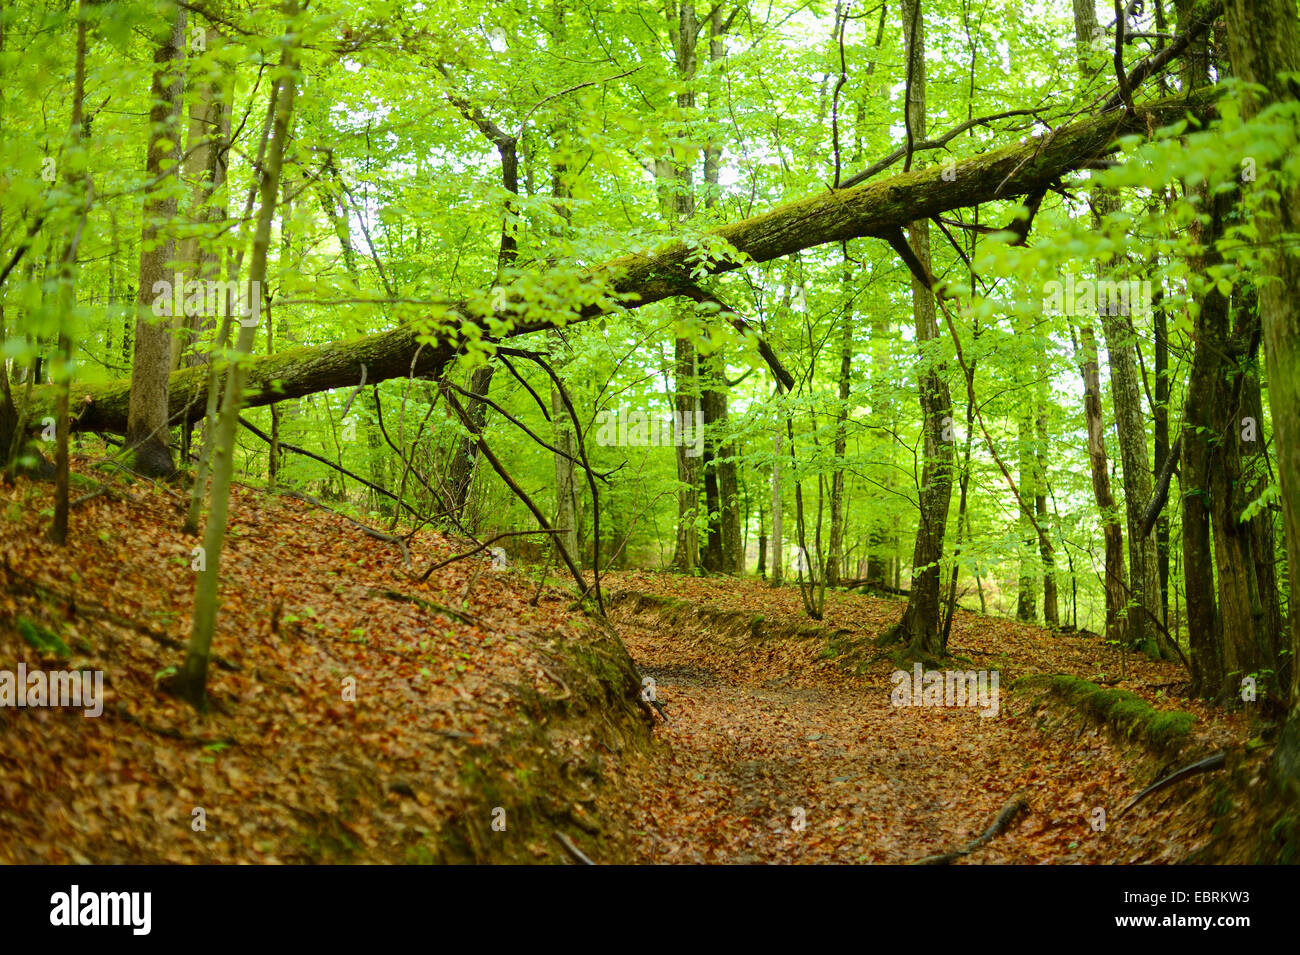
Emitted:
pixel 871 209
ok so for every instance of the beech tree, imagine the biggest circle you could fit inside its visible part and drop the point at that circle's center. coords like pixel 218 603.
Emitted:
pixel 147 407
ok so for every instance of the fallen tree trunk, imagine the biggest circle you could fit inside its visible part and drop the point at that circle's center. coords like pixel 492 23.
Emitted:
pixel 873 209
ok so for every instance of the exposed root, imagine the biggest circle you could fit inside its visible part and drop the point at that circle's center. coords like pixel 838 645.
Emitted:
pixel 1004 819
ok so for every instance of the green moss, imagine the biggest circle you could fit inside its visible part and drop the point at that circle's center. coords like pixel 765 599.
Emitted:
pixel 1124 712
pixel 42 638
pixel 1170 725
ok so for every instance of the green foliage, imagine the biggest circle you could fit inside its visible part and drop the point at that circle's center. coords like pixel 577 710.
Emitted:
pixel 41 638
pixel 394 209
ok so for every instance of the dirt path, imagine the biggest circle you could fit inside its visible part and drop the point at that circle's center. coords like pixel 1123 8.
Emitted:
pixel 767 759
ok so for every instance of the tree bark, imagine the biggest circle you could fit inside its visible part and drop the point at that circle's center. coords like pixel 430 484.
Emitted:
pixel 1027 599
pixel 1051 607
pixel 835 549
pixel 566 501
pixel 686 409
pixel 1112 532
pixel 920 625
pixel 1162 449
pixel 147 418
pixel 778 515
pixel 191 680
pixel 723 546
pixel 1264 47
pixel 205 171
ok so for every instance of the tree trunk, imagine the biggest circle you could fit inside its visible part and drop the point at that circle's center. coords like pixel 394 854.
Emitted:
pixel 147 416
pixel 835 555
pixel 778 511
pixel 566 507
pixel 1051 607
pixel 1112 533
pixel 921 618
pixel 677 203
pixel 1130 427
pixel 686 557
pixel 68 292
pixel 1143 597
pixel 723 554
pixel 1204 631
pixel 1161 434
pixel 1264 47
pixel 963 515
pixel 205 171
pixel 1027 600
pixel 725 545
pixel 191 681
pixel 460 474
pixel 878 563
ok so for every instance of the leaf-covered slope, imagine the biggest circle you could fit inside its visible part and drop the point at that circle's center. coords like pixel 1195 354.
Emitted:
pixel 451 719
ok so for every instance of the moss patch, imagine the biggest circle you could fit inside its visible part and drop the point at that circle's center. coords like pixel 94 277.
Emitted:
pixel 1125 713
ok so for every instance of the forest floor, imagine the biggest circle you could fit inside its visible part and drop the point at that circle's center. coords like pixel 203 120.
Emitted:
pixel 766 732
pixel 489 719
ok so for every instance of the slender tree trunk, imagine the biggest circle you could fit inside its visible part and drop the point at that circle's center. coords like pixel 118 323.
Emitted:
pixel 287 265
pixel 1051 604
pixel 1027 600
pixel 68 291
pixel 205 171
pixel 835 556
pixel 686 557
pixel 1114 577
pixel 460 474
pixel 1204 630
pixel 725 544
pixel 723 532
pixel 1204 424
pixel 778 512
pixel 1112 532
pixel 1162 449
pixel 963 515
pixel 566 507
pixel 191 681
pixel 878 571
pixel 677 203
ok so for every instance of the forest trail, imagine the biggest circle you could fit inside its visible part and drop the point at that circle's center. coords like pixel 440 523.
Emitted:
pixel 758 740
